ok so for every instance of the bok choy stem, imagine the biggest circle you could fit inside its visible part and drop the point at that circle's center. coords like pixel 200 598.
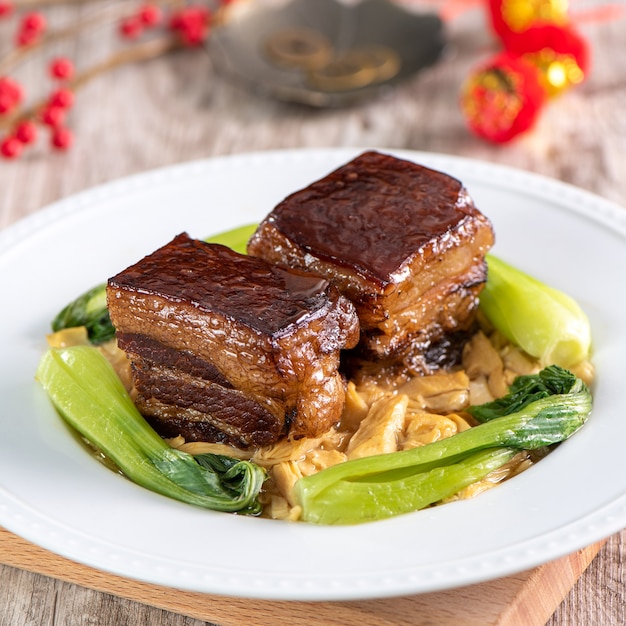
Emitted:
pixel 88 394
pixel 375 497
pixel 542 422
pixel 545 322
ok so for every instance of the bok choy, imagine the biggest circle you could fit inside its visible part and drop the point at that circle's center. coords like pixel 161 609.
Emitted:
pixel 90 397
pixel 381 486
pixel 236 238
pixel 88 310
pixel 545 322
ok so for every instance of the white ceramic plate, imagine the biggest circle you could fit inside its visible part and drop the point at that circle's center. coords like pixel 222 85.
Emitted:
pixel 53 493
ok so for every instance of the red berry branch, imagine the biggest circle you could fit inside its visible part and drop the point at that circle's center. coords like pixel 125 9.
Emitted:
pixel 149 30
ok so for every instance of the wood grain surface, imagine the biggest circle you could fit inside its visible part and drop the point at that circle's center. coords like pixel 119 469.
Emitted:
pixel 177 109
pixel 527 598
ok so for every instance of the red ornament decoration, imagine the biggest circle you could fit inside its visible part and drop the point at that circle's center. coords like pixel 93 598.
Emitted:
pixel 503 98
pixel 543 56
pixel 559 52
pixel 510 17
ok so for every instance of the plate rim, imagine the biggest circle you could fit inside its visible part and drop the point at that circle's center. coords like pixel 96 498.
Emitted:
pixel 604 211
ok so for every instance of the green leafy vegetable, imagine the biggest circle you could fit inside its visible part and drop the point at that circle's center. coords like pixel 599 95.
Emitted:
pixel 544 322
pixel 236 238
pixel 389 484
pixel 88 394
pixel 552 380
pixel 89 310
pixel 361 500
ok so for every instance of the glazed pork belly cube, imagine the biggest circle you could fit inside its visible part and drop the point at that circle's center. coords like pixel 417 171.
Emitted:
pixel 228 348
pixel 404 243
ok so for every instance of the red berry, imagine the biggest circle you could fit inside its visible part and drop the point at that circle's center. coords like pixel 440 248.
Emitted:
pixel 26 38
pixel 192 24
pixel 63 98
pixel 34 22
pixel 53 116
pixel 150 14
pixel 131 27
pixel 197 15
pixel 26 132
pixel 11 147
pixel 32 26
pixel 6 8
pixel 11 94
pixel 62 138
pixel 6 104
pixel 61 68
pixel 195 35
pixel 12 88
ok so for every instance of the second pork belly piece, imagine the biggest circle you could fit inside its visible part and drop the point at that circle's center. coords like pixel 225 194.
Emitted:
pixel 403 242
pixel 229 348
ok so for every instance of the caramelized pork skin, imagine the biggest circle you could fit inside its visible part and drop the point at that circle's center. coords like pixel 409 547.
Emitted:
pixel 226 347
pixel 403 242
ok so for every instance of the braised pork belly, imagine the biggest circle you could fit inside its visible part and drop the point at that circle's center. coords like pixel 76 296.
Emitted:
pixel 404 243
pixel 230 348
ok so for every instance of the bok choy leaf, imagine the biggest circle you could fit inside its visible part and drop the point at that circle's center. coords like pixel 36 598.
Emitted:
pixel 380 486
pixel 89 310
pixel 90 397
pixel 236 238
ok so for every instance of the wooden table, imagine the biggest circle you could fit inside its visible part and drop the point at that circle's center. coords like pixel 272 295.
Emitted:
pixel 176 108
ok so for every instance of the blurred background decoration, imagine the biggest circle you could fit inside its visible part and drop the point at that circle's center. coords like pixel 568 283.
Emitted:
pixel 327 53
pixel 543 55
